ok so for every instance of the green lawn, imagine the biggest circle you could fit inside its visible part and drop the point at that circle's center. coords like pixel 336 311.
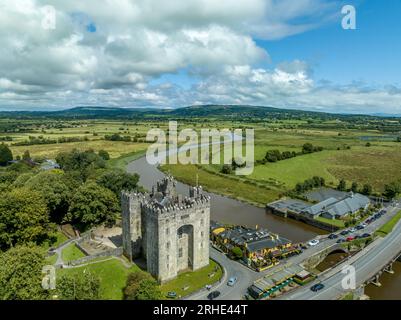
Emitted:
pixel 52 259
pixel 122 161
pixel 193 280
pixel 113 276
pixel 336 223
pixel 388 227
pixel 71 252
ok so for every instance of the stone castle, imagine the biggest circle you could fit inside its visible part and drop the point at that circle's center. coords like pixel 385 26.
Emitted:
pixel 169 230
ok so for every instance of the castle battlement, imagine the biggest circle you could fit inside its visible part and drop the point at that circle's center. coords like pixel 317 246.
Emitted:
pixel 170 230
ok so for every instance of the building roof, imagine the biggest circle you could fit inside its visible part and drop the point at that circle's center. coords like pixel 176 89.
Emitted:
pixel 294 205
pixel 322 194
pixel 266 244
pixel 351 203
pixel 319 207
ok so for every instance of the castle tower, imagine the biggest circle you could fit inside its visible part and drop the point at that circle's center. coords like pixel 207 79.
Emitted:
pixel 169 230
pixel 131 224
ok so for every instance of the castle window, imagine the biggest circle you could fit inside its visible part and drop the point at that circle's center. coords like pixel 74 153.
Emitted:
pixel 137 226
pixel 202 222
pixel 168 258
pixel 202 233
pixel 180 253
pixel 168 245
pixel 167 231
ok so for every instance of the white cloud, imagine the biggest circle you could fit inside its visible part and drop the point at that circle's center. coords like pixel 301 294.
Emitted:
pixel 110 52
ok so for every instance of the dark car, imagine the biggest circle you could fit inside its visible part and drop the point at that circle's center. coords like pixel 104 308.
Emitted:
pixel 340 241
pixel 358 227
pixel 333 236
pixel 213 295
pixel 344 232
pixel 365 235
pixel 317 287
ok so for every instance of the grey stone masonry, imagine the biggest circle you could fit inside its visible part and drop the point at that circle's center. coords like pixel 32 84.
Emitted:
pixel 169 230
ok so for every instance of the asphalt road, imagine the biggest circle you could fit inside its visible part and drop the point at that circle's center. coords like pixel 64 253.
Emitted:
pixel 247 276
pixel 366 263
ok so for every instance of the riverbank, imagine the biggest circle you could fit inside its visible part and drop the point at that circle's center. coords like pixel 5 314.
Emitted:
pixel 231 187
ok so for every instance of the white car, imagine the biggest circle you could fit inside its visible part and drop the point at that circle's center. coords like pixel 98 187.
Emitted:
pixel 352 230
pixel 313 242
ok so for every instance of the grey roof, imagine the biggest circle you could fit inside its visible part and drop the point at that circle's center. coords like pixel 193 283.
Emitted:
pixel 348 205
pixel 266 243
pixel 289 204
pixel 322 194
pixel 321 206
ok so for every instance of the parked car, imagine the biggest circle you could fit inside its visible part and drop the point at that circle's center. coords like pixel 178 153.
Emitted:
pixel 350 238
pixel 352 230
pixel 317 287
pixel 171 295
pixel 340 241
pixel 344 232
pixel 314 242
pixel 333 236
pixel 364 225
pixel 359 227
pixel 232 281
pixel 213 295
pixel 366 235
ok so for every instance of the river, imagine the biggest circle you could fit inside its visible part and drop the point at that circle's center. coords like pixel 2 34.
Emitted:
pixel 227 210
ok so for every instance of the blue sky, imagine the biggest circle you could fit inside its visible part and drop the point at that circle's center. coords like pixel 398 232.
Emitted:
pixel 153 53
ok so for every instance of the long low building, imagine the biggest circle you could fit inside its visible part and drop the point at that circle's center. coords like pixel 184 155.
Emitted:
pixel 338 206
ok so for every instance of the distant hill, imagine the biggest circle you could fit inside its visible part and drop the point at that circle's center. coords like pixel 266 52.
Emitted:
pixel 239 112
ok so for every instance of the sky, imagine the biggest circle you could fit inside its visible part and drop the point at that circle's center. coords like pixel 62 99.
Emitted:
pixel 167 54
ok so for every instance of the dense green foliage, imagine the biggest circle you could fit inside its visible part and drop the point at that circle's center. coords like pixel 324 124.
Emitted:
pixel 24 218
pixel 78 286
pixel 92 205
pixel 5 154
pixel 141 286
pixel 118 180
pixel 21 274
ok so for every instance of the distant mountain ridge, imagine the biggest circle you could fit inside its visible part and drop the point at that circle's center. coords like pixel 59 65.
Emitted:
pixel 221 111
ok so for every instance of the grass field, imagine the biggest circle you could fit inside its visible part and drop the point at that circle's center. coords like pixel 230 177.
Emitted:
pixel 112 273
pixel 71 252
pixel 193 280
pixel 388 227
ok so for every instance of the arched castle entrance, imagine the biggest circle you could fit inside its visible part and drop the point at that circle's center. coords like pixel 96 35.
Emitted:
pixel 185 247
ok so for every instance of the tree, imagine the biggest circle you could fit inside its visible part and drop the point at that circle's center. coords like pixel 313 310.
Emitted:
pixel 354 187
pixel 82 162
pixel 5 154
pixel 226 169
pixel 21 274
pixel 78 286
pixel 54 190
pixel 26 155
pixel 237 252
pixel 342 186
pixel 307 148
pixel 23 218
pixel 118 180
pixel 366 189
pixel 141 286
pixel 92 205
pixel 368 144
pixel 392 190
pixel 104 155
